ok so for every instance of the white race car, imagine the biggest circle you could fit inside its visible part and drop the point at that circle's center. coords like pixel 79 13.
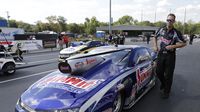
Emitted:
pixel 67 52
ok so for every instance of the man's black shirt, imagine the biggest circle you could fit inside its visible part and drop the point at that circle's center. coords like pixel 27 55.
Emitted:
pixel 168 37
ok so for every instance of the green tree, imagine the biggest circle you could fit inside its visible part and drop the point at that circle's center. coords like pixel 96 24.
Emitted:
pixel 76 28
pixel 2 18
pixel 197 30
pixel 179 26
pixel 159 24
pixel 90 25
pixel 145 23
pixel 52 24
pixel 41 26
pixel 13 23
pixel 27 27
pixel 191 27
pixel 62 23
pixel 125 20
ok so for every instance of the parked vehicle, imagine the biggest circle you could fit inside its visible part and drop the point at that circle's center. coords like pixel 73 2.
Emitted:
pixel 67 52
pixel 9 60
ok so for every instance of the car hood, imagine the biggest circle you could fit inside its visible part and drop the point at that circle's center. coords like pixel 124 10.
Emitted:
pixel 59 91
pixel 71 50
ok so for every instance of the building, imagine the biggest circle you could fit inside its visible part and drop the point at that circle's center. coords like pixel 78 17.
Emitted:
pixel 129 30
pixel 3 23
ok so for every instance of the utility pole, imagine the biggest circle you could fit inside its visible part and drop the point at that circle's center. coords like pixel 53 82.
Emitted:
pixel 8 16
pixel 170 10
pixel 184 22
pixel 110 19
pixel 155 17
pixel 141 15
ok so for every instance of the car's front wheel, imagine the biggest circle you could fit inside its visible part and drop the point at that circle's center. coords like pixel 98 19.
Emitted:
pixel 9 68
pixel 118 102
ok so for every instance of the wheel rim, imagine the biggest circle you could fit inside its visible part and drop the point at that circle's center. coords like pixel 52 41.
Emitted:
pixel 10 69
pixel 117 103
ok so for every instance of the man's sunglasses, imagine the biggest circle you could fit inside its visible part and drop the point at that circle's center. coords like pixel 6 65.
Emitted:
pixel 170 20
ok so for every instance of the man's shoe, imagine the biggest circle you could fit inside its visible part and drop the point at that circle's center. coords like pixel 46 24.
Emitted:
pixel 161 87
pixel 165 95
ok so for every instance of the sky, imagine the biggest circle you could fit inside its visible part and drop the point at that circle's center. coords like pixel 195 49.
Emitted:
pixel 75 11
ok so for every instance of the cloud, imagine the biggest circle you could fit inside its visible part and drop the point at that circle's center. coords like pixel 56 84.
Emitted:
pixel 77 10
pixel 163 3
pixel 191 12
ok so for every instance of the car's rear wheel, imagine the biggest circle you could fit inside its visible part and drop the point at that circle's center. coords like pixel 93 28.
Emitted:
pixel 9 68
pixel 118 102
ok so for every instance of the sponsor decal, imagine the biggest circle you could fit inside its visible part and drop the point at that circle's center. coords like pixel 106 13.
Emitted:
pixel 87 61
pixel 142 75
pixel 72 84
pixel 4 42
pixel 165 40
pixel 79 64
pixel 90 61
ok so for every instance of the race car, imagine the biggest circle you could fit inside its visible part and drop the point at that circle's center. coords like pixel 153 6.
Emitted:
pixel 67 52
pixel 106 79
pixel 76 43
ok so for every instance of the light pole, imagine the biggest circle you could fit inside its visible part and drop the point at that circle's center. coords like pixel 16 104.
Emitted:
pixel 155 16
pixel 110 30
pixel 184 22
pixel 141 15
pixel 8 18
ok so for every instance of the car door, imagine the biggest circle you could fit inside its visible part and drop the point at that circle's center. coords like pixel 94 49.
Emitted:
pixel 143 66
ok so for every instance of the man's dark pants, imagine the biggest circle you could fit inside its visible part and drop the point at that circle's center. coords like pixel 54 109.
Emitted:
pixel 165 69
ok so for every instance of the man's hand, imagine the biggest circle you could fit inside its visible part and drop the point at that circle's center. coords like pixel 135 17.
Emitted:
pixel 177 45
pixel 169 47
pixel 155 49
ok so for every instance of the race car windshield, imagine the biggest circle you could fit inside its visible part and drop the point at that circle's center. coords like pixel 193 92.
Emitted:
pixel 116 56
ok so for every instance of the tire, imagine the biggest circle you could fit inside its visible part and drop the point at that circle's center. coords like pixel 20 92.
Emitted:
pixel 9 68
pixel 118 103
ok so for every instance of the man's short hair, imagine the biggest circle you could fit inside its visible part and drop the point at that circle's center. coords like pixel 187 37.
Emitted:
pixel 171 14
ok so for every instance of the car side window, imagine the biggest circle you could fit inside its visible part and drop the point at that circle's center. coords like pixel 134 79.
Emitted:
pixel 142 55
pixel 98 43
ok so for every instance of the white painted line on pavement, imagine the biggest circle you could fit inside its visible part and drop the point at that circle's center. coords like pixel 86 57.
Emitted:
pixel 42 61
pixel 38 56
pixel 18 78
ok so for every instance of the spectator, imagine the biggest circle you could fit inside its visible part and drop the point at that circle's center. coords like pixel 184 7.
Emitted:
pixel 148 37
pixel 60 42
pixel 66 40
pixel 110 38
pixel 191 39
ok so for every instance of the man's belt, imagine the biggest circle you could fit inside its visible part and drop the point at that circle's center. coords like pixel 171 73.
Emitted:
pixel 166 52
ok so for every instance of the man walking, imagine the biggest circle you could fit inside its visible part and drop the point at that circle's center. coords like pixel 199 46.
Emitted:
pixel 191 38
pixel 170 39
pixel 148 35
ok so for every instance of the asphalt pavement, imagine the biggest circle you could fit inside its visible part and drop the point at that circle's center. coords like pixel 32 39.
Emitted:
pixel 185 96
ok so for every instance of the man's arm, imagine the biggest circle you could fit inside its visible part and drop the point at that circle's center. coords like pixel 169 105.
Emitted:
pixel 181 42
pixel 177 45
pixel 155 44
